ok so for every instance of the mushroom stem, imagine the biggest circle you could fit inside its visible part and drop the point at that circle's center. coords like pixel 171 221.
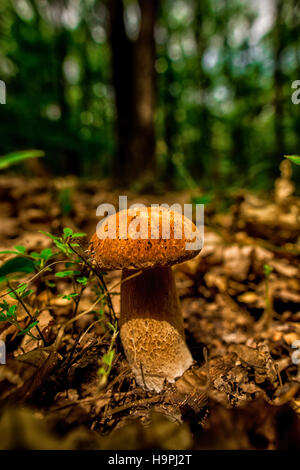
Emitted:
pixel 152 330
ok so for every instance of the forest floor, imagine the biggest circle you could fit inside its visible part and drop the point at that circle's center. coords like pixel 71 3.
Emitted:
pixel 241 305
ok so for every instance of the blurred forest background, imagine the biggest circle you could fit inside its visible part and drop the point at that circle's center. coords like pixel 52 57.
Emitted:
pixel 188 92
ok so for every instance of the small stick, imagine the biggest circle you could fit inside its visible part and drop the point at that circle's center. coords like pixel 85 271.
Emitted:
pixel 141 402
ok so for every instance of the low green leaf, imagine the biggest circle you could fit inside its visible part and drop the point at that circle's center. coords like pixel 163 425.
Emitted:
pixel 20 249
pixel 70 296
pixel 267 270
pixel 16 265
pixel 16 157
pixel 62 247
pixel 66 273
pixel 28 292
pixel 293 158
pixel 12 310
pixel 82 280
pixel 4 305
pixel 68 232
pixel 101 371
pixel 108 358
pixel 74 244
pixel 46 253
pixel 21 291
pixel 29 327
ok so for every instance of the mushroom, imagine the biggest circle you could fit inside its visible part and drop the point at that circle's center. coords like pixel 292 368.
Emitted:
pixel 151 324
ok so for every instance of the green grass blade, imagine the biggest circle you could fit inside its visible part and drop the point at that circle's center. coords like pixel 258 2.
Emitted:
pixel 293 158
pixel 16 157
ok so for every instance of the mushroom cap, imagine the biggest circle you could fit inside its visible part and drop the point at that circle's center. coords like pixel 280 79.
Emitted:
pixel 140 250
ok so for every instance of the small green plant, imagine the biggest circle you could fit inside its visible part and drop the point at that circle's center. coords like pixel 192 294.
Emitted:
pixel 8 313
pixel 73 277
pixel 108 357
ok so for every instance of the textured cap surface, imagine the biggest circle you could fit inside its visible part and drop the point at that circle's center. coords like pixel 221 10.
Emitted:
pixel 156 237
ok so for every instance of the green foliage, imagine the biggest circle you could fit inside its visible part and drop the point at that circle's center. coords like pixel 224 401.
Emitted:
pixel 67 273
pixel 60 268
pixel 267 270
pixel 108 357
pixel 16 265
pixel 16 157
pixel 41 263
pixel 8 313
pixel 293 158
pixel 21 292
pixel 70 296
pixel 64 243
pixel 82 280
pixel 24 262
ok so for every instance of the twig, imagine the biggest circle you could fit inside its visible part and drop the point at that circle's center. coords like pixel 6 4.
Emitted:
pixel 141 402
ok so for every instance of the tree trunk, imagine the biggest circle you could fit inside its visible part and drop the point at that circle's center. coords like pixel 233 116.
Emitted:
pixel 134 84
